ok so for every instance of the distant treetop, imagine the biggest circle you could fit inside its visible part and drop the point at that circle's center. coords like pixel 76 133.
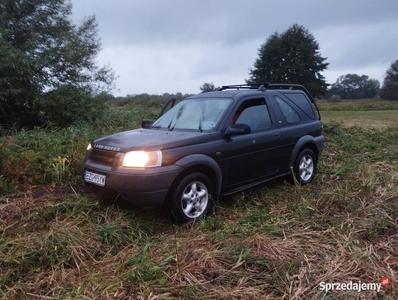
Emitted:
pixel 389 91
pixel 291 57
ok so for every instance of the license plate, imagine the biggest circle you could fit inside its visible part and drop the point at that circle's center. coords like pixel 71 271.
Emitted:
pixel 95 178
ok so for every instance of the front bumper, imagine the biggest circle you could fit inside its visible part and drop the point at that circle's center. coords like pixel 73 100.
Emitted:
pixel 138 186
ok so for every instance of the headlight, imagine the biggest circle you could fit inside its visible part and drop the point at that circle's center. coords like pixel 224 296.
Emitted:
pixel 89 147
pixel 140 159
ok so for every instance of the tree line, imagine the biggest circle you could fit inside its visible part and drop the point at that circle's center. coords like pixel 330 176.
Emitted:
pixel 49 75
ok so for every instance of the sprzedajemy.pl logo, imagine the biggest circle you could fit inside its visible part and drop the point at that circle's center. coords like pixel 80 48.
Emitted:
pixel 354 286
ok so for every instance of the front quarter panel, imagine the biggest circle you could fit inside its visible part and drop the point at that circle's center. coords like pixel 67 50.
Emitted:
pixel 196 160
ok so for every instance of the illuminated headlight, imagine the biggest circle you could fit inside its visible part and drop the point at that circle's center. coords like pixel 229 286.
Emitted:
pixel 89 147
pixel 140 159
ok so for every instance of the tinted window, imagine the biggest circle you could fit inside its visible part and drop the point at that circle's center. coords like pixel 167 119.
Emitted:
pixel 303 102
pixel 291 116
pixel 257 117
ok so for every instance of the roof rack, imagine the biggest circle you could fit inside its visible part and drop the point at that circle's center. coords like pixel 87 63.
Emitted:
pixel 240 86
pixel 271 86
pixel 265 86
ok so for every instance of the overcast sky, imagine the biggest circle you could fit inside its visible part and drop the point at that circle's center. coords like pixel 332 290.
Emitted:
pixel 159 46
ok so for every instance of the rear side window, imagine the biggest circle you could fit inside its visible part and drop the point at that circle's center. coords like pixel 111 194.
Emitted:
pixel 291 116
pixel 303 102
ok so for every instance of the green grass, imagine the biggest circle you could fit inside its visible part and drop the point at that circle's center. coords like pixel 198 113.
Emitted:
pixel 378 114
pixel 277 241
pixel 365 119
pixel 355 105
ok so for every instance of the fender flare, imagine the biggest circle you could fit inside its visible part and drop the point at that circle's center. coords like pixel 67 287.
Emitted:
pixel 307 139
pixel 201 159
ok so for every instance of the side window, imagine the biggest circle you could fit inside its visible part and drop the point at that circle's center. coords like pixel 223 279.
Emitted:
pixel 304 103
pixel 291 116
pixel 257 116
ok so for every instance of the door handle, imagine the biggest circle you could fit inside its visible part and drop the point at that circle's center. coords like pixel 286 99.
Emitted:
pixel 276 135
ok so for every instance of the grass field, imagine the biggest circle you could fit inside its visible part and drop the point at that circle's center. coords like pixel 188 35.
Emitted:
pixel 277 241
pixel 363 113
pixel 356 105
pixel 366 119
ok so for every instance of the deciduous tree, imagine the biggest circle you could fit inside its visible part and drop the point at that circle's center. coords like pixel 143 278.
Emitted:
pixel 207 87
pixel 353 86
pixel 41 51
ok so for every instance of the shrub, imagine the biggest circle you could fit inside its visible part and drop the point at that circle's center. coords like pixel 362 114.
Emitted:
pixel 69 104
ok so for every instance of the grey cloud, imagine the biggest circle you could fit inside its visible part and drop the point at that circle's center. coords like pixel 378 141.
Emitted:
pixel 125 22
pixel 200 39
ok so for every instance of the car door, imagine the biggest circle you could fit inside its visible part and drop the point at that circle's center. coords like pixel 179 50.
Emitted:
pixel 251 157
pixel 291 128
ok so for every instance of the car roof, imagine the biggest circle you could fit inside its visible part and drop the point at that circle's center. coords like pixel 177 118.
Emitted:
pixel 241 90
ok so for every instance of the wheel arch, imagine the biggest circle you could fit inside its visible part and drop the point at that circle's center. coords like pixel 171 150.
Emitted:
pixel 203 164
pixel 306 142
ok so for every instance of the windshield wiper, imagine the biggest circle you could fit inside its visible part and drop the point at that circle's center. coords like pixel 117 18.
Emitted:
pixel 202 117
pixel 169 128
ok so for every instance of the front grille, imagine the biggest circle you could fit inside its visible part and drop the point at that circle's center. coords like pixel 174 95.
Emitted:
pixel 103 156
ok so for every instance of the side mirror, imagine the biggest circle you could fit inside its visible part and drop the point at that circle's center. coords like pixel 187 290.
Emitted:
pixel 237 129
pixel 146 123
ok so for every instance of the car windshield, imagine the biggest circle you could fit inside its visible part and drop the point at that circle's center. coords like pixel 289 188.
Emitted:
pixel 198 114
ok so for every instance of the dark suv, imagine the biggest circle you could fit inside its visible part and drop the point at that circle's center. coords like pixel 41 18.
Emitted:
pixel 209 145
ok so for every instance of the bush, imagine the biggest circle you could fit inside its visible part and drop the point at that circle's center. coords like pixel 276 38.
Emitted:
pixel 47 155
pixel 334 98
pixel 41 156
pixel 69 104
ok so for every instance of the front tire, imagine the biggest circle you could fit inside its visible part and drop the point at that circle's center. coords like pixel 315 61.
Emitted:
pixel 305 167
pixel 191 199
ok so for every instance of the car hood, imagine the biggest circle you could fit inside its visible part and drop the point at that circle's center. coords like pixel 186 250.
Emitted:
pixel 149 139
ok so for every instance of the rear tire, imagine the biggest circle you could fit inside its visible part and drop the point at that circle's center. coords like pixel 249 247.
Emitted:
pixel 305 167
pixel 191 199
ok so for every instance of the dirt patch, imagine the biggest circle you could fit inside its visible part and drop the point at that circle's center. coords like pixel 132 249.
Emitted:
pixel 13 206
